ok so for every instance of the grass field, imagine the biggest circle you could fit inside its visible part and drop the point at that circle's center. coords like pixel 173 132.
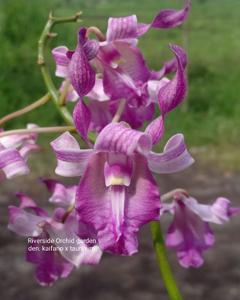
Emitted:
pixel 211 35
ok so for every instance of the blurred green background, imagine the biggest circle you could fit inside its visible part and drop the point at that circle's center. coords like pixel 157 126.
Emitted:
pixel 211 36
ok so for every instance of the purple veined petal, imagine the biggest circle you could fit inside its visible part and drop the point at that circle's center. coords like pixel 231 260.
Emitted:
pixel 118 85
pixel 170 18
pixel 189 236
pixel 82 119
pixel 218 212
pixel 71 160
pixel 132 62
pixel 50 265
pixel 62 61
pixel 80 253
pixel 122 28
pixel 154 86
pixel 61 194
pixel 118 137
pixel 156 129
pixel 117 212
pixel 12 163
pixel 174 158
pixel 97 93
pixel 91 48
pixel 72 95
pixel 165 19
pixel 25 223
pixel 81 74
pixel 173 93
pixel 100 115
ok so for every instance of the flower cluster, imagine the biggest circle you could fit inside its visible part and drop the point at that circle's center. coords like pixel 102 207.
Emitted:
pixel 116 95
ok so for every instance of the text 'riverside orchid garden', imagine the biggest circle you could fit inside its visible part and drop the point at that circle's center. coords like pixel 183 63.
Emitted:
pixel 108 143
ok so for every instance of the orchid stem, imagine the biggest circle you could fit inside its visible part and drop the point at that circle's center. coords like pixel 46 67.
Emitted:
pixel 42 43
pixel 26 109
pixel 119 111
pixel 163 263
pixel 38 130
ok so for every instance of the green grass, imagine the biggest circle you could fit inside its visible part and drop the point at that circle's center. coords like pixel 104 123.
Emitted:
pixel 213 46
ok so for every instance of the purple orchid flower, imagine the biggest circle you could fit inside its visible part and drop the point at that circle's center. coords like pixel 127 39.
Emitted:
pixel 189 233
pixel 117 193
pixel 124 71
pixel 14 152
pixel 53 257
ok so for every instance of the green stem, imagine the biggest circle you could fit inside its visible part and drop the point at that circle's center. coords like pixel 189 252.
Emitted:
pixel 46 34
pixel 162 259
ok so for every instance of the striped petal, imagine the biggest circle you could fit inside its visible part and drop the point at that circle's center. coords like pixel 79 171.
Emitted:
pixel 71 160
pixel 174 158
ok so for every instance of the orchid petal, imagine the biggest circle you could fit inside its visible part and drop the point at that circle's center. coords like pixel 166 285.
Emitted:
pixel 61 194
pixel 132 62
pixel 82 119
pixel 62 61
pixel 97 93
pixel 218 212
pixel 12 163
pixel 50 265
pixel 122 28
pixel 118 137
pixel 174 158
pixel 71 159
pixel 25 223
pixel 166 18
pixel 173 93
pixel 155 129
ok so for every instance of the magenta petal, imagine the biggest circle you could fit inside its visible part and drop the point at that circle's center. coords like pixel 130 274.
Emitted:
pixel 25 223
pixel 50 265
pixel 71 159
pixel 132 62
pixel 135 116
pixel 12 163
pixel 82 119
pixel 118 85
pixel 97 93
pixel 219 212
pixel 174 158
pixel 100 115
pixel 117 212
pixel 81 74
pixel 118 137
pixel 170 18
pixel 155 129
pixel 62 61
pixel 122 28
pixel 61 194
pixel 173 93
